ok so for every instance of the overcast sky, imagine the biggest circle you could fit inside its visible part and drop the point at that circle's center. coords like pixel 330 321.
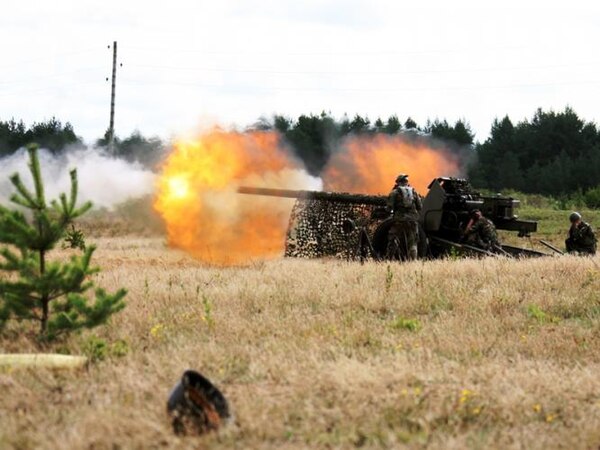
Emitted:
pixel 190 63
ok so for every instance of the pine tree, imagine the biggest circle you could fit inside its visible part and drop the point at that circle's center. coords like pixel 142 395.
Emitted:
pixel 52 293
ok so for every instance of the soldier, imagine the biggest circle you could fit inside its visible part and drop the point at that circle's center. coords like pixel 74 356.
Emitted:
pixel 582 239
pixel 404 204
pixel 481 232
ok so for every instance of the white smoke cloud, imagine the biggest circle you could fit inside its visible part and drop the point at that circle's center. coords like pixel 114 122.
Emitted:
pixel 104 180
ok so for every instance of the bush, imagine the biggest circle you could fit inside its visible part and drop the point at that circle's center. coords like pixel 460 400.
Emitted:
pixel 592 197
pixel 51 293
pixel 97 349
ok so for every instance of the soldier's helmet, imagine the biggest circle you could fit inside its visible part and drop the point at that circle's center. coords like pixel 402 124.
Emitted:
pixel 574 217
pixel 402 178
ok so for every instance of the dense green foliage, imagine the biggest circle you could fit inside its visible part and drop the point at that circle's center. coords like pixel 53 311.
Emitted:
pixel 58 137
pixel 52 293
pixel 552 154
pixel 315 137
pixel 52 135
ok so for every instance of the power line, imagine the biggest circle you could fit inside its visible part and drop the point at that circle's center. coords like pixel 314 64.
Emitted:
pixel 372 72
pixel 373 90
pixel 47 88
pixel 46 58
pixel 369 52
pixel 137 82
pixel 45 77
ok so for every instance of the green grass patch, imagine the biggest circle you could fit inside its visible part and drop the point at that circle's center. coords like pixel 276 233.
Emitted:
pixel 402 323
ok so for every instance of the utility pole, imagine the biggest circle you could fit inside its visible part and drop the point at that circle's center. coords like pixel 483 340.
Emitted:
pixel 111 127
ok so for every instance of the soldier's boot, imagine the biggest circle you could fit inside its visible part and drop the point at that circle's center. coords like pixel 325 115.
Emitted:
pixel 479 243
pixel 413 253
pixel 392 248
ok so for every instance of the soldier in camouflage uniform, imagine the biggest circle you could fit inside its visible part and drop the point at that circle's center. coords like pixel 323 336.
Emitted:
pixel 481 232
pixel 582 239
pixel 404 203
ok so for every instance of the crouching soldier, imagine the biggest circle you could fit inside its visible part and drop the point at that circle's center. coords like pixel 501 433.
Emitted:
pixel 481 232
pixel 582 239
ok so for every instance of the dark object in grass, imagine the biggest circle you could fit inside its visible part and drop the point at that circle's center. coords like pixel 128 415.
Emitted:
pixel 196 406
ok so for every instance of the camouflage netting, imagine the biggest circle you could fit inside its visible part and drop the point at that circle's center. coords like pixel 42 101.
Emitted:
pixel 316 229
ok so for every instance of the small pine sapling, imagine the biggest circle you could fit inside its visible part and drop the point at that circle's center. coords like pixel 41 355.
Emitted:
pixel 52 293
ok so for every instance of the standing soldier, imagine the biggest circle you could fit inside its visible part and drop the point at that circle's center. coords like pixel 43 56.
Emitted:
pixel 405 204
pixel 481 232
pixel 582 239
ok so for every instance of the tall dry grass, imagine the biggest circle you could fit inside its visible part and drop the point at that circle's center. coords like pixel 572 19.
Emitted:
pixel 489 353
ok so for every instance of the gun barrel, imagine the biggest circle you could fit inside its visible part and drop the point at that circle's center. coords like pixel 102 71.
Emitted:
pixel 270 192
pixel 338 197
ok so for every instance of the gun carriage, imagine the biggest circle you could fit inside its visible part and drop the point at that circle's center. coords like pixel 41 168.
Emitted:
pixel 352 226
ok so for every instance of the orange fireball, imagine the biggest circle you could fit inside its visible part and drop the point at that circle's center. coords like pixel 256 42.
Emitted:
pixel 205 216
pixel 369 164
pixel 197 198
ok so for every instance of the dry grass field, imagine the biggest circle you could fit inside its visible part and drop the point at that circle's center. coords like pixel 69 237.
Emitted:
pixel 491 353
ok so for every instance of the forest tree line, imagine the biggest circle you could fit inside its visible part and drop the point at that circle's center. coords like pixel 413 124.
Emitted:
pixel 553 153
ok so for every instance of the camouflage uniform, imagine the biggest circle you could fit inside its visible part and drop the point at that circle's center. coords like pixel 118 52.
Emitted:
pixel 581 239
pixel 483 234
pixel 405 203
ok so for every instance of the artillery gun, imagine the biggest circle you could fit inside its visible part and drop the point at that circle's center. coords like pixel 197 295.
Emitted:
pixel 339 224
